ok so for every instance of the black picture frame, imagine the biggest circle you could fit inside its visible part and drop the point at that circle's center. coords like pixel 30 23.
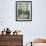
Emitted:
pixel 24 13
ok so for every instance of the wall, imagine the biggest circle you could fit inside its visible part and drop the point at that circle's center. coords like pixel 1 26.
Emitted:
pixel 31 30
pixel 39 18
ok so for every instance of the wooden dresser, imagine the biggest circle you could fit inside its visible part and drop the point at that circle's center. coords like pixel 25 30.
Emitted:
pixel 11 40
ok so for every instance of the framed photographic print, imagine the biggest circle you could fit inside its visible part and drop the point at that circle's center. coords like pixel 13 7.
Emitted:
pixel 23 10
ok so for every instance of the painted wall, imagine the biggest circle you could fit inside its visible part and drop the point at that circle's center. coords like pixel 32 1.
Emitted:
pixel 31 30
pixel 39 18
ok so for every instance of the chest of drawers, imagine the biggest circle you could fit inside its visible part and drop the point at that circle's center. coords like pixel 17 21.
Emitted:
pixel 11 40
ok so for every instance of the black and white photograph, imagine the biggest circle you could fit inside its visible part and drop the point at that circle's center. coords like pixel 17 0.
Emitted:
pixel 23 10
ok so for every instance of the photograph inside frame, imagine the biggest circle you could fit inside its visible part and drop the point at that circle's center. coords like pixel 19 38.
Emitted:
pixel 24 10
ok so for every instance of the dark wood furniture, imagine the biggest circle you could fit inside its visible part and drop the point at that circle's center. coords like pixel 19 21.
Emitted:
pixel 11 40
